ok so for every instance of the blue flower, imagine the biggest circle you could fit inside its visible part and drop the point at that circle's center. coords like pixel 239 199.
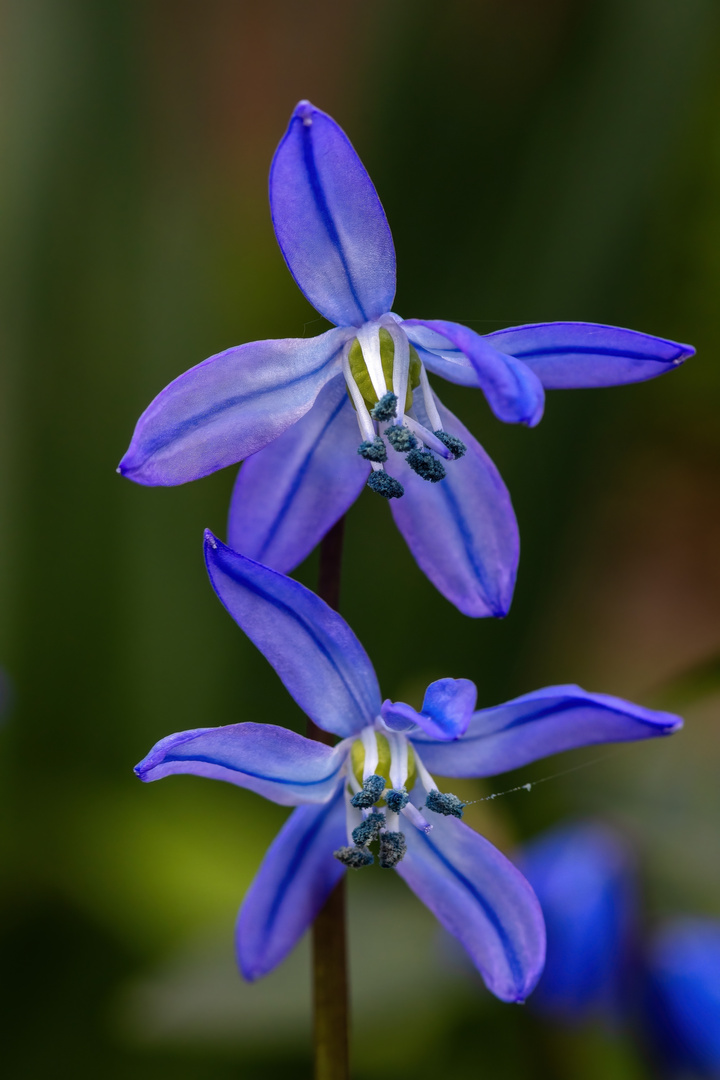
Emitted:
pixel 584 877
pixel 320 418
pixel 684 981
pixel 374 788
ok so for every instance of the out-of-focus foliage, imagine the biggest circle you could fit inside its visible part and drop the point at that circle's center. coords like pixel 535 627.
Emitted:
pixel 538 161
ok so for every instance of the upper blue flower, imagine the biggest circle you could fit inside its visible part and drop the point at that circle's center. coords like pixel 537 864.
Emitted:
pixel 375 786
pixel 319 418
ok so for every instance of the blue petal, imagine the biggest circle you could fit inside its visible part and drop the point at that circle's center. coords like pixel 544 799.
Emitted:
pixel 541 723
pixel 462 531
pixel 272 761
pixel 313 650
pixel 288 495
pixel 481 898
pixel 513 391
pixel 295 879
pixel 329 222
pixel 229 406
pixel 685 995
pixel 445 714
pixel 441 357
pixel 583 877
pixel 568 355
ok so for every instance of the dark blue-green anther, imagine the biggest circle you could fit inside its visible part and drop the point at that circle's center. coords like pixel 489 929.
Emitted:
pixel 426 465
pixel 446 804
pixel 396 800
pixel 386 407
pixel 354 857
pixel 373 451
pixel 393 846
pixel 456 446
pixel 372 789
pixel 400 438
pixel 369 829
pixel 385 485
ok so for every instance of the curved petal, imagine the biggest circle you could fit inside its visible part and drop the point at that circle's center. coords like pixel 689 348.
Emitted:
pixel 539 724
pixel 329 222
pixel 272 761
pixel 311 647
pixel 229 406
pixel 514 392
pixel 569 355
pixel 462 531
pixel 441 357
pixel 481 898
pixel 295 879
pixel 584 878
pixel 290 493
pixel 445 714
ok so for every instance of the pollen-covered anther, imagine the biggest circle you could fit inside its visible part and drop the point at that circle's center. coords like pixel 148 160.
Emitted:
pixel 372 789
pixel 393 846
pixel 387 486
pixel 400 438
pixel 456 446
pixel 396 800
pixel 373 450
pixel 426 465
pixel 386 407
pixel 445 803
pixel 369 829
pixel 354 857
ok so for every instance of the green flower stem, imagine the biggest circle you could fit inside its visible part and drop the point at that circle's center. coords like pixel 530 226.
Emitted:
pixel 329 945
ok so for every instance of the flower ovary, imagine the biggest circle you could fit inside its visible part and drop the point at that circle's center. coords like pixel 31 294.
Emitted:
pixel 385 485
pixel 456 446
pixel 445 803
pixel 374 450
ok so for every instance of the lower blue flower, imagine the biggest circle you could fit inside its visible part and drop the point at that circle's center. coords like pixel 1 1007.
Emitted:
pixel 372 796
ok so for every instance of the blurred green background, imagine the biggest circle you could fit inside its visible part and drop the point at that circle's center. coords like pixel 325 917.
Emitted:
pixel 538 160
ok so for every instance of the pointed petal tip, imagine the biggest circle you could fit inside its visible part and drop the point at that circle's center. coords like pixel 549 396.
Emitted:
pixel 304 109
pixel 209 539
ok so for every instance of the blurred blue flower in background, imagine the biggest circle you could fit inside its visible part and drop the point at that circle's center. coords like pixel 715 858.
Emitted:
pixel 597 967
pixel 320 418
pixel 374 786
pixel 684 996
pixel 583 875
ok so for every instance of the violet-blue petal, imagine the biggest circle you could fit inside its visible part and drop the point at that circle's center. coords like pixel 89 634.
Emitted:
pixel 290 493
pixel 584 878
pixel 569 355
pixel 481 898
pixel 536 725
pixel 329 221
pixel 229 406
pixel 399 716
pixel 276 763
pixel 514 392
pixel 462 531
pixel 684 998
pixel 295 879
pixel 441 357
pixel 445 713
pixel 311 647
